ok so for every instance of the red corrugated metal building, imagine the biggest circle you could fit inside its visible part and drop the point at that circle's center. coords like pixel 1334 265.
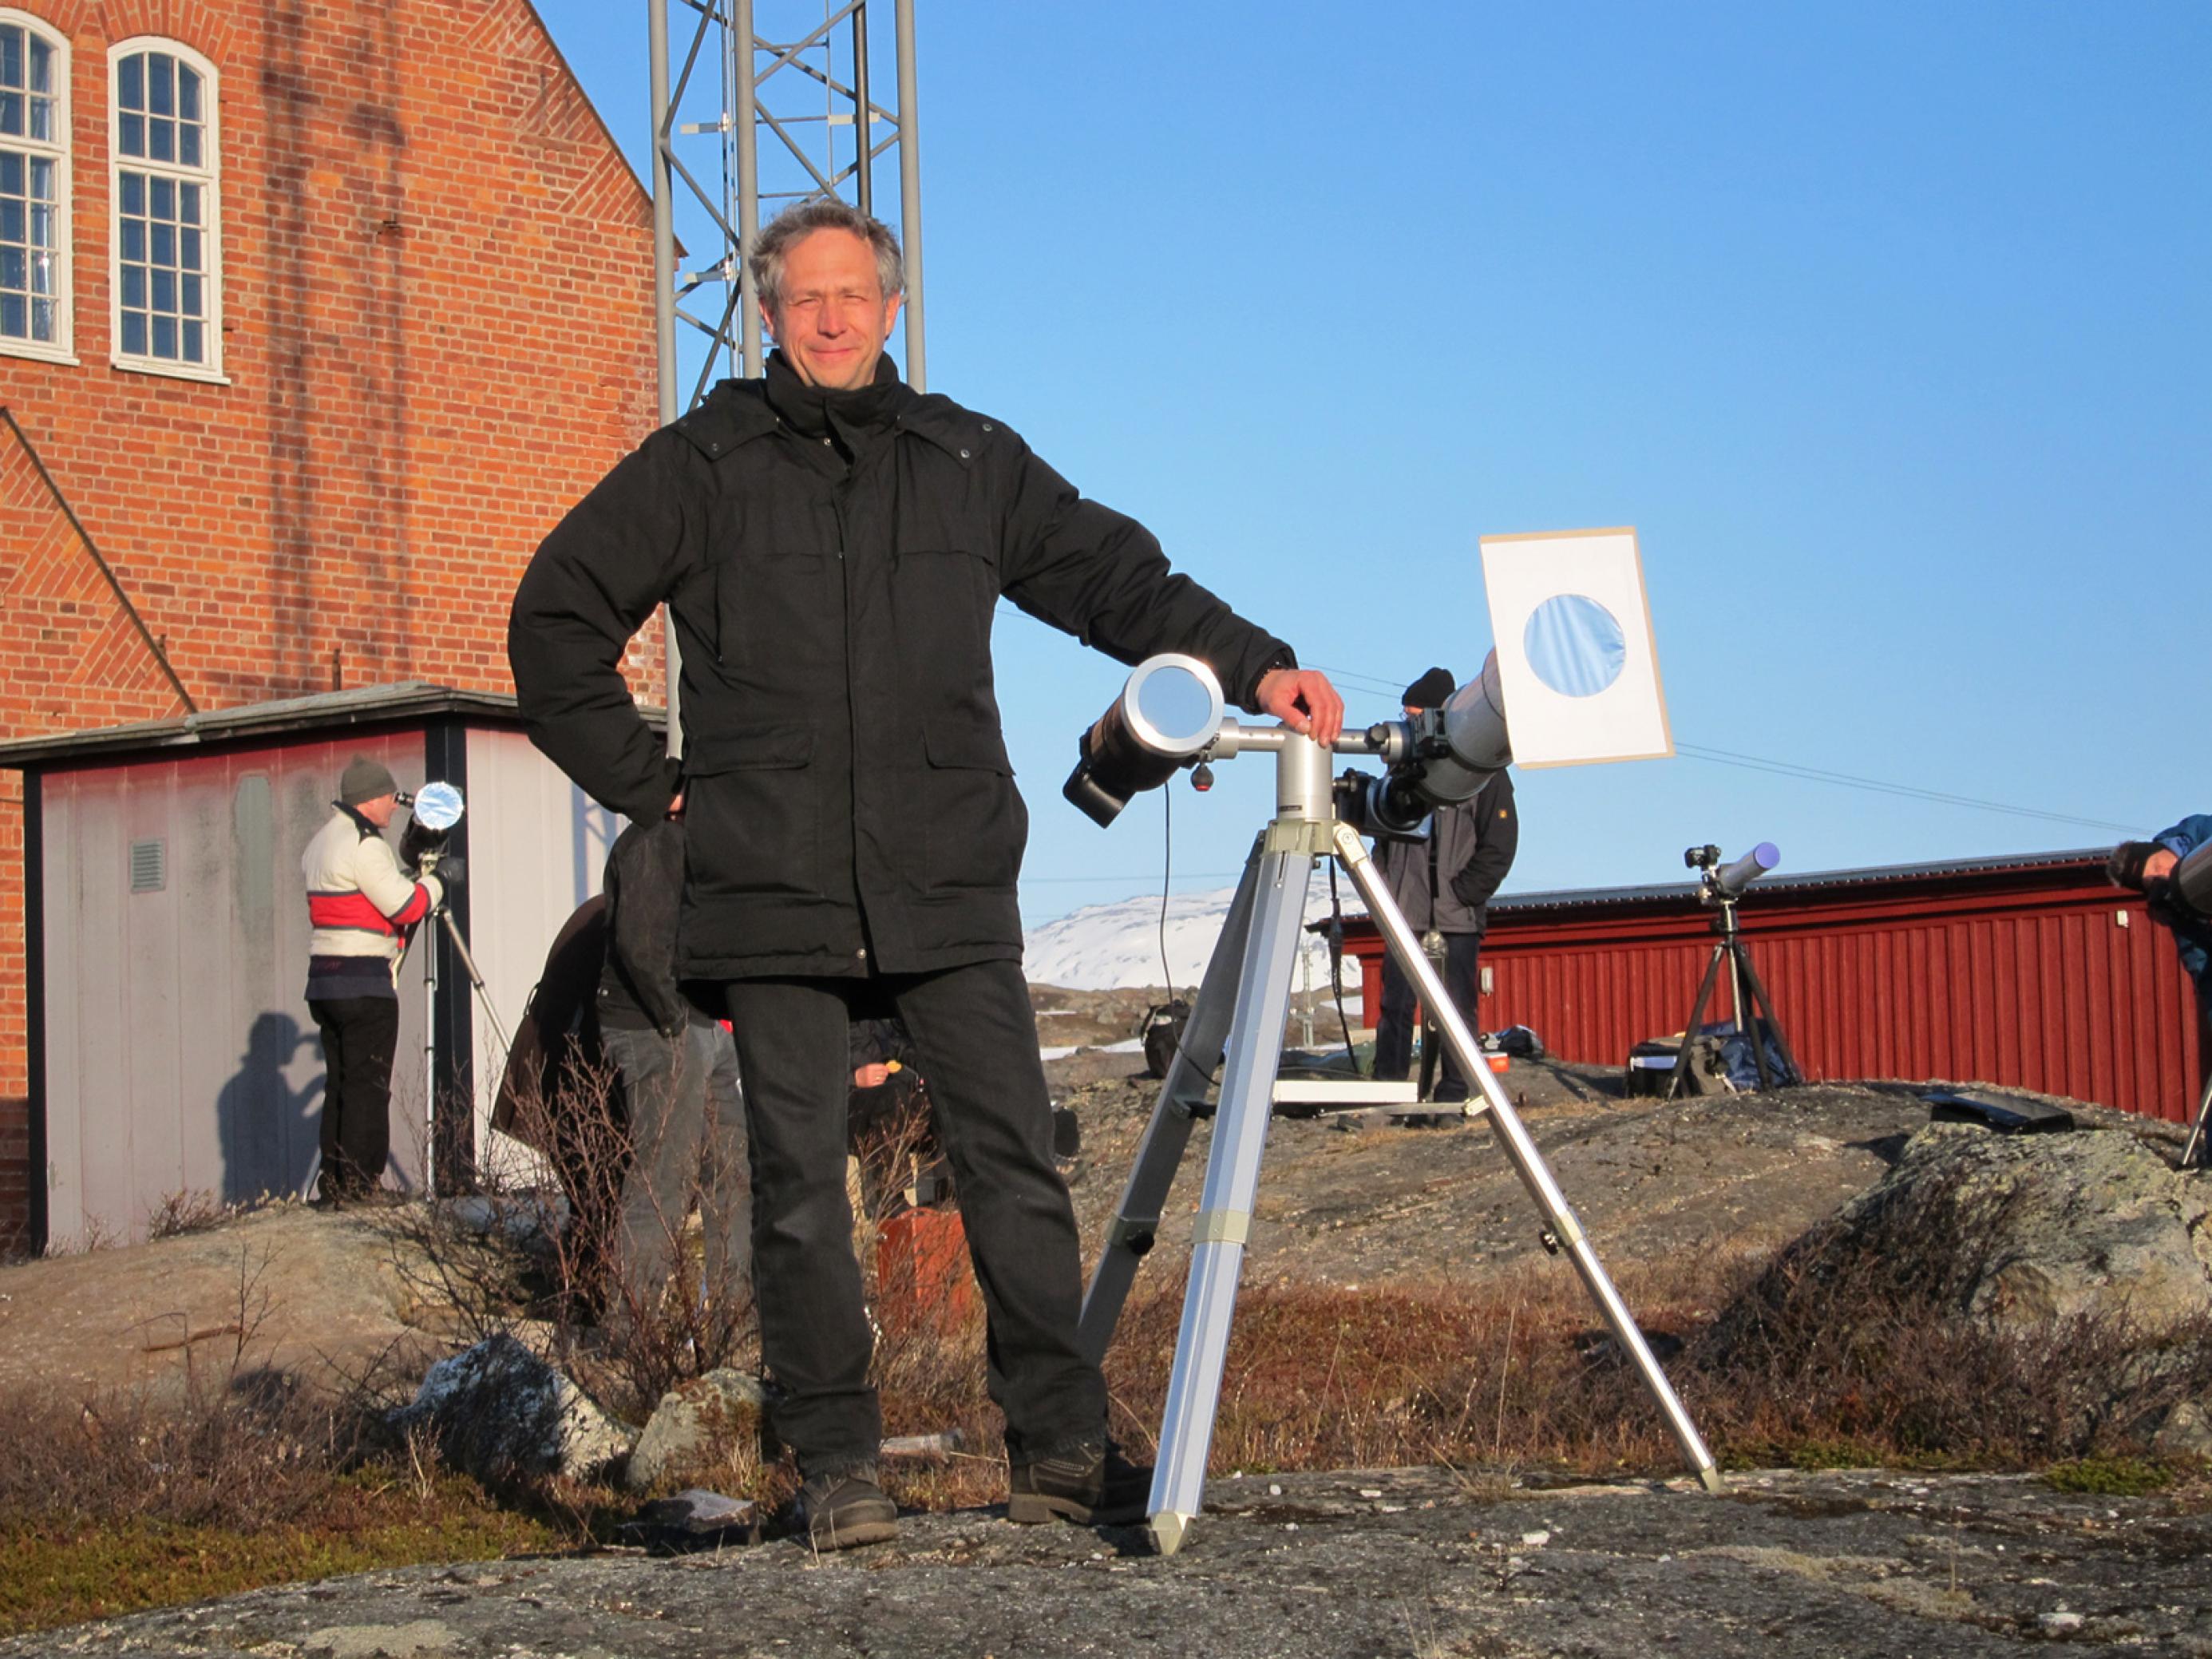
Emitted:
pixel 2033 971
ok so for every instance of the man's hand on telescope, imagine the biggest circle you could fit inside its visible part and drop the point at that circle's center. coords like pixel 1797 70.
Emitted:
pixel 1303 700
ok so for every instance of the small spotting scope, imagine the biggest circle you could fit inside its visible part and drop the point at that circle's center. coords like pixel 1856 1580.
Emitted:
pixel 1724 882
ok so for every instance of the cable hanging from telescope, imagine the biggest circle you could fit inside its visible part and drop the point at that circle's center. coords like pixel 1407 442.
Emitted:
pixel 1336 967
pixel 1167 879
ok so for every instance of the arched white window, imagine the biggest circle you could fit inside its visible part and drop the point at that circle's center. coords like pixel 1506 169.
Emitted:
pixel 35 189
pixel 168 242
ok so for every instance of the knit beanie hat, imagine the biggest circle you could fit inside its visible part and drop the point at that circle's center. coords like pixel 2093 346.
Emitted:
pixel 1433 690
pixel 365 780
pixel 2125 866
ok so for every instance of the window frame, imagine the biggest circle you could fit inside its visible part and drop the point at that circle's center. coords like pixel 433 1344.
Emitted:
pixel 207 176
pixel 63 348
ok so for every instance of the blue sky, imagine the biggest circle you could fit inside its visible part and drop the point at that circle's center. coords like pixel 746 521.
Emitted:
pixel 1889 327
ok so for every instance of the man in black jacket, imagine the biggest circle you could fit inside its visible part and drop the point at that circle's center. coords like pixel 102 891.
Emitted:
pixel 1443 883
pixel 831 545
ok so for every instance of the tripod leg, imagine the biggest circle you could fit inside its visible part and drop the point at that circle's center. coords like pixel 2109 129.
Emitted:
pixel 1520 1150
pixel 1428 1050
pixel 1748 1013
pixel 1137 1217
pixel 1232 1176
pixel 2196 1133
pixel 469 966
pixel 1764 1006
pixel 1697 1013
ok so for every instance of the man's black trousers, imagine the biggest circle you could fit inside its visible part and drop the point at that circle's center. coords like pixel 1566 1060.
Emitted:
pixel 975 1042
pixel 1393 1037
pixel 358 1036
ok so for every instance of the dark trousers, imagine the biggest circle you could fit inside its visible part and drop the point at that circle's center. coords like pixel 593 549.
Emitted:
pixel 1393 1037
pixel 358 1036
pixel 976 1043
pixel 686 1117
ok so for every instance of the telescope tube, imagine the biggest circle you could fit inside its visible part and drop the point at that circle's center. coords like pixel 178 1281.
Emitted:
pixel 2192 880
pixel 1731 880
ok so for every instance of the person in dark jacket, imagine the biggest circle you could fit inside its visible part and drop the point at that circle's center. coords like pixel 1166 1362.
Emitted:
pixel 831 545
pixel 2148 866
pixel 630 1090
pixel 1443 883
pixel 684 1108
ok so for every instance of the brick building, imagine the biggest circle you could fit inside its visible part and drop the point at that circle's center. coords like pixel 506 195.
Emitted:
pixel 313 317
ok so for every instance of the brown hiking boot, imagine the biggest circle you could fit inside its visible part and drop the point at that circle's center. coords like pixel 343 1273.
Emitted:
pixel 1091 1484
pixel 842 1509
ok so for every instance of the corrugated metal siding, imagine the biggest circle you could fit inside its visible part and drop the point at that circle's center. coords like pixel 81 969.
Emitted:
pixel 2024 978
pixel 180 1056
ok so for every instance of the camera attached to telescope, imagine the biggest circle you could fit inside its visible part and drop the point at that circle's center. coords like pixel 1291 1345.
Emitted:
pixel 1724 883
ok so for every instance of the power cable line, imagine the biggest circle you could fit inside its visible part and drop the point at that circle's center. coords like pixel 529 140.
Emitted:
pixel 1912 792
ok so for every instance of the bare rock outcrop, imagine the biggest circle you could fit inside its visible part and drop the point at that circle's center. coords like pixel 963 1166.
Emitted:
pixel 2055 1226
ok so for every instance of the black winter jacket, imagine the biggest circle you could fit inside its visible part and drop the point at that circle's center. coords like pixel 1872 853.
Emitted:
pixel 831 562
pixel 1474 843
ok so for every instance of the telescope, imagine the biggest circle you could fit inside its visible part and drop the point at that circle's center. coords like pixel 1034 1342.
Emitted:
pixel 1724 883
pixel 433 810
pixel 2189 887
pixel 1169 715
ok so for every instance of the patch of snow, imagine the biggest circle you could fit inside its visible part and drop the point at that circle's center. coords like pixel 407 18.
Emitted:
pixel 1104 947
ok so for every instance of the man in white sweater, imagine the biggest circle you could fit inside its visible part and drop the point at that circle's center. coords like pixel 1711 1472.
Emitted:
pixel 360 905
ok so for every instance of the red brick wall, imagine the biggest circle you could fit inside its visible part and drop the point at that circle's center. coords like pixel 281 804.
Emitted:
pixel 437 332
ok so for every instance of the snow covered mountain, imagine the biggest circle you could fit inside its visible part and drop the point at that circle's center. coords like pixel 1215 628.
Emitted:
pixel 1104 946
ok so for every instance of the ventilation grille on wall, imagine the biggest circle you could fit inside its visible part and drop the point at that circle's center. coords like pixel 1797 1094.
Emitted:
pixel 150 866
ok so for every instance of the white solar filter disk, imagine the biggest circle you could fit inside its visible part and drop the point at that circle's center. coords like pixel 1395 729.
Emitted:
pixel 1576 657
pixel 437 807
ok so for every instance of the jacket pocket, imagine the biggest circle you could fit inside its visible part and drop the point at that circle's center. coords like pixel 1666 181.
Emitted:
pixel 751 823
pixel 974 824
pixel 942 601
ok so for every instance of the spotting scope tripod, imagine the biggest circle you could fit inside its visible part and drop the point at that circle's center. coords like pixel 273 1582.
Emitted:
pixel 434 809
pixel 1721 887
pixel 1236 1025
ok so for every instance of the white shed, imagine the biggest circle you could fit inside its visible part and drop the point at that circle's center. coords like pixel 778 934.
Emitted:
pixel 166 932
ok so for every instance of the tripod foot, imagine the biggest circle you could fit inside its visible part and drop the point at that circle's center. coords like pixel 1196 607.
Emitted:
pixel 1711 1478
pixel 1169 1529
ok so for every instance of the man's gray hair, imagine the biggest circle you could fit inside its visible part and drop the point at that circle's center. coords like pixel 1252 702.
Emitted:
pixel 803 220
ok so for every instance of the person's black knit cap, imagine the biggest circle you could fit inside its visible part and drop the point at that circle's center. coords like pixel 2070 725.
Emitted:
pixel 1433 690
pixel 2125 866
pixel 365 780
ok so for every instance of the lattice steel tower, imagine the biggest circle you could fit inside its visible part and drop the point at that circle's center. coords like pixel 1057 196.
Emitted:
pixel 745 122
pixel 775 119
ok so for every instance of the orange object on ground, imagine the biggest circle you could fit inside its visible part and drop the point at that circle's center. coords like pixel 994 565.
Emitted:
pixel 1500 1062
pixel 922 1275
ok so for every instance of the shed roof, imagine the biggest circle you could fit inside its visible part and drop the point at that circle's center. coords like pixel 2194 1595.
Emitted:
pixel 325 711
pixel 1822 881
pixel 1811 883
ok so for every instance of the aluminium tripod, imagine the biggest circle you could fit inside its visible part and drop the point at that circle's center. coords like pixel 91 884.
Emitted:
pixel 1240 1013
pixel 1728 946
